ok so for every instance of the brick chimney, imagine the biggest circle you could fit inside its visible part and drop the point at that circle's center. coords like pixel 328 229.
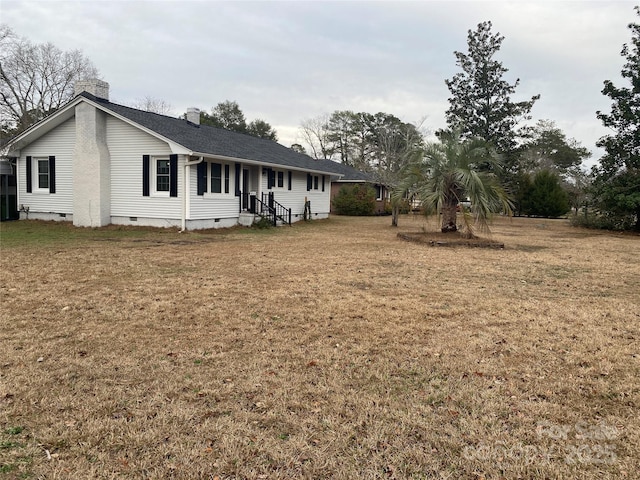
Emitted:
pixel 193 115
pixel 94 86
pixel 91 159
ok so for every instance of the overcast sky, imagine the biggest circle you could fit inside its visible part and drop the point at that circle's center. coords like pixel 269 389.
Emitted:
pixel 288 61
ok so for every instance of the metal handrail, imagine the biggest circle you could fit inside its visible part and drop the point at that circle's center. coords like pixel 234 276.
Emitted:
pixel 267 207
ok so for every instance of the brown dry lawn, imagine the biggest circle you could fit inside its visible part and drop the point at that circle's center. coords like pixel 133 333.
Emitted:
pixel 331 349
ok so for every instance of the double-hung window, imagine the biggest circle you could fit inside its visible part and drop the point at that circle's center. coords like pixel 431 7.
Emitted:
pixel 220 178
pixel 160 176
pixel 163 178
pixel 43 173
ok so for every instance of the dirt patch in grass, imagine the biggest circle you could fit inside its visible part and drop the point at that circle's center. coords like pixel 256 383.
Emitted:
pixel 331 349
pixel 456 239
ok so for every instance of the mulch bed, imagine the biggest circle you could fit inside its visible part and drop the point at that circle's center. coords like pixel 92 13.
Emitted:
pixel 436 239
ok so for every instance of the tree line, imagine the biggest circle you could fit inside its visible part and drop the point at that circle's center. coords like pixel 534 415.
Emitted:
pixel 536 166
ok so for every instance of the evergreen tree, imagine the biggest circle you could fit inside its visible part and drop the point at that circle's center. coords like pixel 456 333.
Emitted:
pixel 544 196
pixel 616 183
pixel 480 105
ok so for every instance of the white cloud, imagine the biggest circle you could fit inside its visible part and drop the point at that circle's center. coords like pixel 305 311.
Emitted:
pixel 287 61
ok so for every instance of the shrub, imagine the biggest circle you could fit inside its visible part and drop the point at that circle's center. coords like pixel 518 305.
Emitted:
pixel 544 196
pixel 604 221
pixel 355 200
pixel 404 207
pixel 263 223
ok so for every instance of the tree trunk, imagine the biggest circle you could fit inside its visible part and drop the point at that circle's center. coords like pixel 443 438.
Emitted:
pixel 449 217
pixel 395 212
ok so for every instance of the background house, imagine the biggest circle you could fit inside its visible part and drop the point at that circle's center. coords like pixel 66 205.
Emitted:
pixel 95 162
pixel 350 176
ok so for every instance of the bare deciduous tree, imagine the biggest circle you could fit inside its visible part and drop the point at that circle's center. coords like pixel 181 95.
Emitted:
pixel 315 133
pixel 397 145
pixel 155 105
pixel 36 79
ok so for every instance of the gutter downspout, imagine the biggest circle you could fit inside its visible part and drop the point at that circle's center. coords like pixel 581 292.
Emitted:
pixel 185 192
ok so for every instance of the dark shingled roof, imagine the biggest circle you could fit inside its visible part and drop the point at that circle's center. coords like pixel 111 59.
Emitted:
pixel 350 174
pixel 217 141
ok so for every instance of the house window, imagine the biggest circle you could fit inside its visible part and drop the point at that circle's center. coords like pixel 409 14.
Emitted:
pixel 315 182
pixel 216 178
pixel 163 178
pixel 378 192
pixel 220 182
pixel 280 179
pixel 159 175
pixel 43 173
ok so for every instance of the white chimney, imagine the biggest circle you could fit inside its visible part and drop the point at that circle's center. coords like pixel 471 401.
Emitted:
pixel 193 115
pixel 94 86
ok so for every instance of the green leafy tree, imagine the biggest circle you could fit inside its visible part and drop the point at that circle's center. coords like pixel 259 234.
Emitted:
pixel 342 127
pixel 480 105
pixel 451 172
pixel 296 147
pixel 355 200
pixel 547 147
pixel 544 196
pixel 616 181
pixel 261 129
pixel 229 115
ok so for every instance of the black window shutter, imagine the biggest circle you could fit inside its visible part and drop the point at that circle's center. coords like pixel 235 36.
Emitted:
pixel 323 183
pixel 237 179
pixel 173 175
pixel 29 182
pixel 289 172
pixel 52 174
pixel 145 175
pixel 309 181
pixel 270 178
pixel 202 177
pixel 226 178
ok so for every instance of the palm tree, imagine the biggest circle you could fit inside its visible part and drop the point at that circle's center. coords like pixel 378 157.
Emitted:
pixel 454 171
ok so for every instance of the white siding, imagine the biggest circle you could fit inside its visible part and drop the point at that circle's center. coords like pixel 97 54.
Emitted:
pixel 213 205
pixel 294 198
pixel 127 145
pixel 59 143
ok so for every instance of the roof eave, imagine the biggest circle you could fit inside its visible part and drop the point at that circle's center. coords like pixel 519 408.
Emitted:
pixel 42 127
pixel 225 158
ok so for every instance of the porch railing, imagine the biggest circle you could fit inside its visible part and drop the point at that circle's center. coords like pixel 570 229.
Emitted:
pixel 267 207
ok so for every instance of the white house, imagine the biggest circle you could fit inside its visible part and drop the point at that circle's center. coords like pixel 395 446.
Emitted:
pixel 96 163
